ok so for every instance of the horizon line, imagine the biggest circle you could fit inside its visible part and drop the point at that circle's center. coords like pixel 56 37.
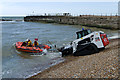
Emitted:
pixel 50 15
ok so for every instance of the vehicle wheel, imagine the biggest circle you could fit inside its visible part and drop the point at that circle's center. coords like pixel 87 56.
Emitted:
pixel 80 53
pixel 101 49
pixel 88 50
pixel 93 49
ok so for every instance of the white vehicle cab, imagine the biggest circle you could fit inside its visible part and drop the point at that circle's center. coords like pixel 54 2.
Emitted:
pixel 86 42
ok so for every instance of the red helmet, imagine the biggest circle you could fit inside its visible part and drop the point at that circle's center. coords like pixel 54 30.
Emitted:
pixel 36 39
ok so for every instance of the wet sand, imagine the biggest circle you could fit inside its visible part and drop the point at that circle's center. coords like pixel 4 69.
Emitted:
pixel 98 65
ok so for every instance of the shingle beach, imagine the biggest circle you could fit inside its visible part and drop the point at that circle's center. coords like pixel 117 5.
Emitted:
pixel 98 65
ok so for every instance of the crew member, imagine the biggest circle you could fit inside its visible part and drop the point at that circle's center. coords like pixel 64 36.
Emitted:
pixel 29 43
pixel 25 43
pixel 36 44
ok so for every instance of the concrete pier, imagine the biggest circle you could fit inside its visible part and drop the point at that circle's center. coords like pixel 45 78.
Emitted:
pixel 106 22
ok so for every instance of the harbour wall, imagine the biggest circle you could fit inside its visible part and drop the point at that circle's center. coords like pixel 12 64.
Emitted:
pixel 106 22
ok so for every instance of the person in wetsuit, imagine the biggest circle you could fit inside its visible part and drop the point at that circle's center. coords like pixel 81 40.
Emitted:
pixel 36 44
pixel 27 43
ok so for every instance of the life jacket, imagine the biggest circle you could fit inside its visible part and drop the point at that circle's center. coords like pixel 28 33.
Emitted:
pixel 29 43
pixel 35 43
pixel 26 42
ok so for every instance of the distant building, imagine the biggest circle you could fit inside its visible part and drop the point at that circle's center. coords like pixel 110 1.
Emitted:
pixel 66 14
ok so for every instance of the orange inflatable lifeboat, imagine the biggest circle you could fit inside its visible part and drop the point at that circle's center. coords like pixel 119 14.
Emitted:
pixel 30 49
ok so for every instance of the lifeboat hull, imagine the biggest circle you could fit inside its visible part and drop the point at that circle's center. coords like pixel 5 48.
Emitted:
pixel 30 49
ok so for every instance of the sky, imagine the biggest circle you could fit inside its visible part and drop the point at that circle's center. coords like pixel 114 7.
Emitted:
pixel 75 7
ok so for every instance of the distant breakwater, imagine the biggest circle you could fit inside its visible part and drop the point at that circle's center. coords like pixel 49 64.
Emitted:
pixel 5 19
pixel 106 22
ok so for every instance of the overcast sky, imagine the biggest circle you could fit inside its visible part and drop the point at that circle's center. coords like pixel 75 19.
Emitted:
pixel 75 7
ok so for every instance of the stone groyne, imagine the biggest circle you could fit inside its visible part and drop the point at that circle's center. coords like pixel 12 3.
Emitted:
pixel 106 22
